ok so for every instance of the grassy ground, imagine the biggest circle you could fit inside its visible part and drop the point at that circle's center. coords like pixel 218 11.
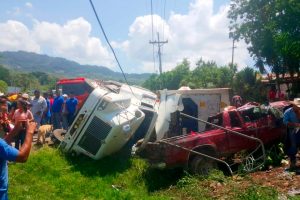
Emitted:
pixel 48 174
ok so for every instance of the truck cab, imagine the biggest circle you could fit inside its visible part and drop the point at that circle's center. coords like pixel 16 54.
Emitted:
pixel 81 88
pixel 112 114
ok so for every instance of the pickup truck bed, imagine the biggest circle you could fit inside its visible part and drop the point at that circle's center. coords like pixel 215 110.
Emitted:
pixel 251 120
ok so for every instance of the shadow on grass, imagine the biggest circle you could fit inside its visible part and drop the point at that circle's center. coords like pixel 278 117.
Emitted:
pixel 156 179
pixel 110 165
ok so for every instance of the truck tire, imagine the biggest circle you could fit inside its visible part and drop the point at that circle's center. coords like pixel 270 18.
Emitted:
pixel 201 165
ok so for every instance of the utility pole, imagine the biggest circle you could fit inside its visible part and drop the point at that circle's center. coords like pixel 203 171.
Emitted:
pixel 232 56
pixel 159 44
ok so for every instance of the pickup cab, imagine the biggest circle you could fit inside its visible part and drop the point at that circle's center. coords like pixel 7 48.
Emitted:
pixel 264 123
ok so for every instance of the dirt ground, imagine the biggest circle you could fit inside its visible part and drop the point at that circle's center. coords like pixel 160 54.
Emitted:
pixel 286 183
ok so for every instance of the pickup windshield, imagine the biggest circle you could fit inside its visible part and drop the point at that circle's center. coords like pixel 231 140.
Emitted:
pixel 217 120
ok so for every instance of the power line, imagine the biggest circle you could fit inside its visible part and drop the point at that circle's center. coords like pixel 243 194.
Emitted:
pixel 102 29
pixel 165 1
pixel 153 56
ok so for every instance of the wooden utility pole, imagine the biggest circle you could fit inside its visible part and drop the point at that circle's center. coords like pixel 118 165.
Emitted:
pixel 232 56
pixel 159 44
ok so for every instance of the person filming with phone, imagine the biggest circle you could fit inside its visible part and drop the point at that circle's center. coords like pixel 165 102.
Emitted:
pixel 9 153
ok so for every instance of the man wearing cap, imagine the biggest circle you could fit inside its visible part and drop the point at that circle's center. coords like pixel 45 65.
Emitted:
pixel 38 107
pixel 291 119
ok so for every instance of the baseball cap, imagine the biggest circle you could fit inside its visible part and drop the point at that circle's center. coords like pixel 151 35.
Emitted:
pixel 25 96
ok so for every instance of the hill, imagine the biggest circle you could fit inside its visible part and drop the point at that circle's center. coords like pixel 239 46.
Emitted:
pixel 32 62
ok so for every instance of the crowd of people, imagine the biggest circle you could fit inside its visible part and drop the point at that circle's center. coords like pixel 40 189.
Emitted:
pixel 58 110
pixel 21 116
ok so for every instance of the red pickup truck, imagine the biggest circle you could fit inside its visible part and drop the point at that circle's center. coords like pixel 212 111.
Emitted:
pixel 216 142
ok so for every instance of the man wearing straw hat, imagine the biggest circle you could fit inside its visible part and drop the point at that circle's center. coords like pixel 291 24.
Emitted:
pixel 291 119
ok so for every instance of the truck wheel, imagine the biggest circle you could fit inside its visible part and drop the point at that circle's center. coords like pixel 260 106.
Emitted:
pixel 202 166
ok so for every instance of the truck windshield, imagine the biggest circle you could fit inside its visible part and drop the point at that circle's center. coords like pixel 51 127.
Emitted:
pixel 77 88
pixel 217 120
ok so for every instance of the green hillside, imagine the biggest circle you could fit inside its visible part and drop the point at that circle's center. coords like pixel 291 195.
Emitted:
pixel 32 62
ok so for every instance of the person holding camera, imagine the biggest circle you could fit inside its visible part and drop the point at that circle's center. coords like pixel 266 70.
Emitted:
pixel 9 153
pixel 22 114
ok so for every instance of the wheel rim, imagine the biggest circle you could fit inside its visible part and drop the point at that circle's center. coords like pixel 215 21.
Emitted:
pixel 202 166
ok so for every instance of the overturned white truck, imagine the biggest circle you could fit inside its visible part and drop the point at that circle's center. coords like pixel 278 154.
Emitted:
pixel 110 116
pixel 114 113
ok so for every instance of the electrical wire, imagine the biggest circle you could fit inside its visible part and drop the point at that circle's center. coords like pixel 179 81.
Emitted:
pixel 163 24
pixel 153 54
pixel 111 48
pixel 164 20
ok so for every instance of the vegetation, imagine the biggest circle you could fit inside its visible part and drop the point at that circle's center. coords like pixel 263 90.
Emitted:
pixel 4 74
pixel 54 66
pixel 247 84
pixel 207 74
pixel 271 29
pixel 26 81
pixel 50 175
pixel 3 86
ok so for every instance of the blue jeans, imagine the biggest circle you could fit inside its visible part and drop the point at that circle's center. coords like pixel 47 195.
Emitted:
pixel 57 119
pixel 3 195
pixel 294 143
pixel 38 120
pixel 71 117
pixel 65 123
pixel 46 120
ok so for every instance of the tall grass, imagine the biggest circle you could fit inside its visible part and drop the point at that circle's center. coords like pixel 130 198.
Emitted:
pixel 49 174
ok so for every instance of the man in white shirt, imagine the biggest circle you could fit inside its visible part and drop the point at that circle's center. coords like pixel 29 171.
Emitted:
pixel 38 107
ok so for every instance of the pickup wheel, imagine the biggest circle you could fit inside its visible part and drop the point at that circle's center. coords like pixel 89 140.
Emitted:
pixel 202 166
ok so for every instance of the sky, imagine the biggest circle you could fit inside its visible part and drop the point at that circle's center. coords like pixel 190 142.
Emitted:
pixel 194 29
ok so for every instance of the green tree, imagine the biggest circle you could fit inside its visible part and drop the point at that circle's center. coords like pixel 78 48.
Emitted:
pixel 171 80
pixel 271 29
pixel 209 75
pixel 248 87
pixel 4 74
pixel 3 86
pixel 27 82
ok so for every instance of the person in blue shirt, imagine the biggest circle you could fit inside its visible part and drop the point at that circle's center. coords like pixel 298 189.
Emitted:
pixel 71 104
pixel 47 113
pixel 291 118
pixel 9 153
pixel 57 110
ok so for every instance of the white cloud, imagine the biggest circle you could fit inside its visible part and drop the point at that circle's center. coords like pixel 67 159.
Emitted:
pixel 71 40
pixel 28 5
pixel 199 33
pixel 16 36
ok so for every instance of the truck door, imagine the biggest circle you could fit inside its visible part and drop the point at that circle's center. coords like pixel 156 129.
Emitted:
pixel 270 128
pixel 236 142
